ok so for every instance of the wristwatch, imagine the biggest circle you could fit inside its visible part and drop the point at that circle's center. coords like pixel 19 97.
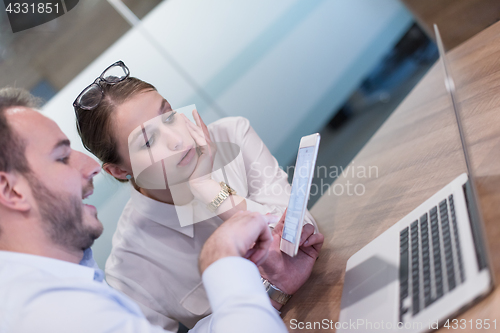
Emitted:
pixel 224 193
pixel 275 293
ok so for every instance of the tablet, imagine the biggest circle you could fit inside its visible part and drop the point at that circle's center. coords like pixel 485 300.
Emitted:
pixel 301 186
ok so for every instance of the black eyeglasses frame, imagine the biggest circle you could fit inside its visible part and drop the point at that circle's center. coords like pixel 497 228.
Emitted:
pixel 97 82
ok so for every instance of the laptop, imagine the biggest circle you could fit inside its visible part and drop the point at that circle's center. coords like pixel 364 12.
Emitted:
pixel 429 266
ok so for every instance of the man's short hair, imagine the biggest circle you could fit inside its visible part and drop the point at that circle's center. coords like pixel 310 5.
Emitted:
pixel 12 146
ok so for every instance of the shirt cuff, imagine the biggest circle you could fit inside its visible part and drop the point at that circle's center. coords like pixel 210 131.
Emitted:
pixel 230 278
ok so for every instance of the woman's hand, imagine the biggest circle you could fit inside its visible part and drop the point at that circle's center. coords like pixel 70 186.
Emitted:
pixel 288 273
pixel 203 187
pixel 208 149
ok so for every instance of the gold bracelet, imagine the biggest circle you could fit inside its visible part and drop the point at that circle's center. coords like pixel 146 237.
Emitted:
pixel 224 193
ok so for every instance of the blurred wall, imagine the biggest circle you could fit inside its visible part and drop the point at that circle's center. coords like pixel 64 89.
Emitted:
pixel 286 65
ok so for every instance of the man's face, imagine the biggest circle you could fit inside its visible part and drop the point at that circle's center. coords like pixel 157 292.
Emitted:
pixel 60 178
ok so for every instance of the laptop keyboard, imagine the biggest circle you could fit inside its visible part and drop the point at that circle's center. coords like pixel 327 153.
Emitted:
pixel 430 258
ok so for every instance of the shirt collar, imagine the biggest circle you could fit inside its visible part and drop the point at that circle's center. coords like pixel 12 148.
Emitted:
pixel 58 268
pixel 88 261
pixel 163 213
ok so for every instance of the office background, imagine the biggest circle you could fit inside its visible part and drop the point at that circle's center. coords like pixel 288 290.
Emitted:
pixel 292 67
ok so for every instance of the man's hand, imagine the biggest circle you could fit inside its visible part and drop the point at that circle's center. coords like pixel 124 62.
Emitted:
pixel 245 234
pixel 285 272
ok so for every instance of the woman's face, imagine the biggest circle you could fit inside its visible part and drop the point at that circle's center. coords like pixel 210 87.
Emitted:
pixel 154 141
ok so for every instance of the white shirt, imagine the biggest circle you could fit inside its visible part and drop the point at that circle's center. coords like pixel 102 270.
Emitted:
pixel 45 295
pixel 155 261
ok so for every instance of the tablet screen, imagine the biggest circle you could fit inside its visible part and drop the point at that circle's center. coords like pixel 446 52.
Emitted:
pixel 299 195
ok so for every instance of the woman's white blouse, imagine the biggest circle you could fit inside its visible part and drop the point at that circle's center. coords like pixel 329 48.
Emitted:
pixel 154 259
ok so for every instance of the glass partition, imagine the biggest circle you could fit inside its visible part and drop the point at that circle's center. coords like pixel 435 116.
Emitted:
pixel 45 58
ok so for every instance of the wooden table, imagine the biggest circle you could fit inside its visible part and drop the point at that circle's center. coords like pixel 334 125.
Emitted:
pixel 417 151
pixel 473 15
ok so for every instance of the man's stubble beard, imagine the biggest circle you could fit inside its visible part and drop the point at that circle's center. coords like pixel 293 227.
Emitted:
pixel 63 217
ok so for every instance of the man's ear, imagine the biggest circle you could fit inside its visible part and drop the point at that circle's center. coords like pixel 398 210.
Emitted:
pixel 115 171
pixel 14 191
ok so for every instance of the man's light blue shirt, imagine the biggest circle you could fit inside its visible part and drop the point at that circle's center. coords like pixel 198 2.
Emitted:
pixel 35 290
pixel 45 295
